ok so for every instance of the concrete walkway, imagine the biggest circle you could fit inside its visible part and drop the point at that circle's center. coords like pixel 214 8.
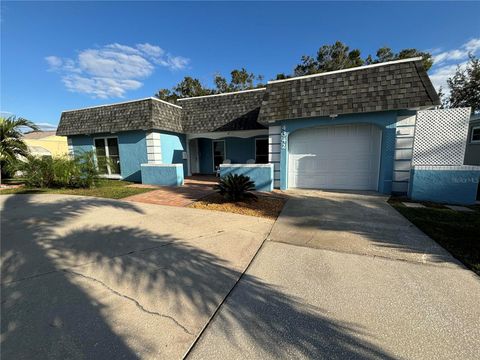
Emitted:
pixel 346 277
pixel 89 278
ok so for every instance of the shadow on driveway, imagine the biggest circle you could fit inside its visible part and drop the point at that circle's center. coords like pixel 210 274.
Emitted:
pixel 64 293
pixel 360 223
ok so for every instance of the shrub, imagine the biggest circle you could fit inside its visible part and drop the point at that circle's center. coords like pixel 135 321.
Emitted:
pixel 236 187
pixel 78 172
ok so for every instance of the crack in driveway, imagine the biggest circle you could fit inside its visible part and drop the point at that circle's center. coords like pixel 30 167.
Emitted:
pixel 137 304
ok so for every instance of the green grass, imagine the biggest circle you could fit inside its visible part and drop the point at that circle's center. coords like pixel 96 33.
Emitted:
pixel 457 232
pixel 112 189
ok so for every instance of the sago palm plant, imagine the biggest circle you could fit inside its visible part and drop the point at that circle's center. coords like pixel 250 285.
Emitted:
pixel 12 145
pixel 236 187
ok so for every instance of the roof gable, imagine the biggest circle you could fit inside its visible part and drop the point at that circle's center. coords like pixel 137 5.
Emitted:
pixel 144 114
pixel 396 85
pixel 222 112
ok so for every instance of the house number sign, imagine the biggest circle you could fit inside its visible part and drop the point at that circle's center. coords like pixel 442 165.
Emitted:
pixel 283 137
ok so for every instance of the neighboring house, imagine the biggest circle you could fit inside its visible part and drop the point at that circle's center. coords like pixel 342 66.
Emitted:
pixel 472 152
pixel 46 143
pixel 346 129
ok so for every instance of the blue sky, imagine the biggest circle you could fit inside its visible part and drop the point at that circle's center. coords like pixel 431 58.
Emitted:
pixel 65 55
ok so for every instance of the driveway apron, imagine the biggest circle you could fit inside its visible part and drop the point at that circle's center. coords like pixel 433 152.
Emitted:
pixel 346 277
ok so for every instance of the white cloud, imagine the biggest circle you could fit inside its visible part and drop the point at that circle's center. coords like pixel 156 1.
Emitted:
pixel 54 62
pixel 462 52
pixel 445 63
pixel 112 70
pixel 151 50
pixel 440 75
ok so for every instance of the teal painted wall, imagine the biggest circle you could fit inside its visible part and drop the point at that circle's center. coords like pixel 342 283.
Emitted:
pixel 262 176
pixel 384 120
pixel 238 150
pixel 132 147
pixel 133 150
pixel 444 186
pixel 165 175
pixel 173 145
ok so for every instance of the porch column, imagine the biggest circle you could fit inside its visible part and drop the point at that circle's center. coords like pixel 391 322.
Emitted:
pixel 154 149
pixel 274 153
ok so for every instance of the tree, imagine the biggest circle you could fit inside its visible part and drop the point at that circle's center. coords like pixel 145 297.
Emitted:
pixel 385 54
pixel 221 84
pixel 167 95
pixel 239 80
pixel 243 80
pixel 339 56
pixel 12 144
pixel 281 76
pixel 464 86
pixel 329 58
pixel 190 87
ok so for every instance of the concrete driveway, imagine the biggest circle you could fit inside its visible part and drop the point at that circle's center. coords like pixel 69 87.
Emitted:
pixel 344 276
pixel 86 278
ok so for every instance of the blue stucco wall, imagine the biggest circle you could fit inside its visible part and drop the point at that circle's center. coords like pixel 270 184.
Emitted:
pixel 173 145
pixel 238 150
pixel 166 175
pixel 444 186
pixel 384 120
pixel 132 148
pixel 260 174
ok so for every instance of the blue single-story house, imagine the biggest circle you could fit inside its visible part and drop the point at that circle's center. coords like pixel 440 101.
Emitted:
pixel 348 129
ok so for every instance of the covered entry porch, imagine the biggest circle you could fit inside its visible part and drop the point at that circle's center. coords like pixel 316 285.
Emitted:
pixel 207 151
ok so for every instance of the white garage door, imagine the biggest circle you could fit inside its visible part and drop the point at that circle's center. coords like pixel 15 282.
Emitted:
pixel 335 157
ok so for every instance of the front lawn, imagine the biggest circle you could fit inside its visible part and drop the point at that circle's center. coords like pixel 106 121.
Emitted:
pixel 266 206
pixel 112 189
pixel 458 232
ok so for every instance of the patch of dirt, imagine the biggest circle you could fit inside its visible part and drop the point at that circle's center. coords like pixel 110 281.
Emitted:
pixel 266 206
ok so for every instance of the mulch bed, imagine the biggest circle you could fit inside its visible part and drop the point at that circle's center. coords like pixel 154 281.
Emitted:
pixel 266 206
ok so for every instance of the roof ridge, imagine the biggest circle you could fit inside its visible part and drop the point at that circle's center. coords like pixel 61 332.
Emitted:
pixel 222 94
pixel 346 70
pixel 123 102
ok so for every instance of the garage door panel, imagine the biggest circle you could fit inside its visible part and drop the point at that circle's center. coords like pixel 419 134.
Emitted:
pixel 335 157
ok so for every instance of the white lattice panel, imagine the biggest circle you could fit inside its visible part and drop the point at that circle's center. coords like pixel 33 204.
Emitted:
pixel 440 137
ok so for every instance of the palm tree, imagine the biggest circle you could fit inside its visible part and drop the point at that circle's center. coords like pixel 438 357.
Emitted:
pixel 11 139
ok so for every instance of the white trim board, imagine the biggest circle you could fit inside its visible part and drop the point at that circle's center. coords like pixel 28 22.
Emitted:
pixel 222 94
pixel 224 134
pixel 346 70
pixel 123 102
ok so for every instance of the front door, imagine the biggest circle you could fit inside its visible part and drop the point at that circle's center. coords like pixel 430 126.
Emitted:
pixel 218 153
pixel 194 168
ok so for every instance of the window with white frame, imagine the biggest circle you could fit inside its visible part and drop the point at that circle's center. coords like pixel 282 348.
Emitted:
pixel 261 151
pixel 108 156
pixel 475 136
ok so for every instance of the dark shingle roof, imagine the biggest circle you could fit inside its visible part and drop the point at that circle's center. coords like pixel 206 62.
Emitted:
pixel 133 115
pixel 223 112
pixel 396 85
pixel 389 86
